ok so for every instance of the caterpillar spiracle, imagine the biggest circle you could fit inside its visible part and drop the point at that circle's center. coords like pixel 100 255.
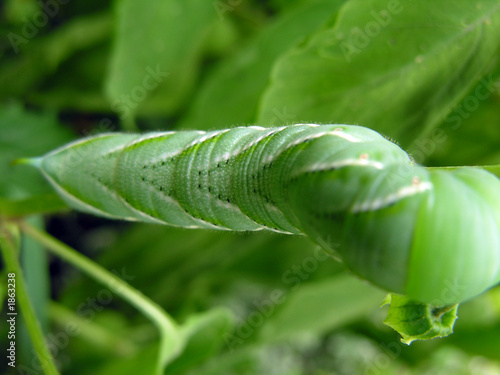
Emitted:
pixel 433 235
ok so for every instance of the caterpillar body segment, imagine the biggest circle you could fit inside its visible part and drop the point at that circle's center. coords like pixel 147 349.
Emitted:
pixel 431 234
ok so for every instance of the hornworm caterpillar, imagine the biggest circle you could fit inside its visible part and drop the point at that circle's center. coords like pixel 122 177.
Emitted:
pixel 433 235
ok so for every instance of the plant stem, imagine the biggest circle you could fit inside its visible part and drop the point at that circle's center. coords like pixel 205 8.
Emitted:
pixel 171 340
pixel 10 256
pixel 128 123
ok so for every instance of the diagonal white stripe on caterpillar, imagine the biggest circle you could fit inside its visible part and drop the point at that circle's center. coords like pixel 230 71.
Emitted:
pixel 405 228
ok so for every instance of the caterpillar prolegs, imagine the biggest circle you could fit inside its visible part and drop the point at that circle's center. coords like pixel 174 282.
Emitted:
pixel 433 235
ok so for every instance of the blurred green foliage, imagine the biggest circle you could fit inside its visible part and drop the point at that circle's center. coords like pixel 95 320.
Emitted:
pixel 424 73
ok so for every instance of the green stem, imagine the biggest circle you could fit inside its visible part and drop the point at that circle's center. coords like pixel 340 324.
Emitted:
pixel 171 341
pixel 128 123
pixel 10 256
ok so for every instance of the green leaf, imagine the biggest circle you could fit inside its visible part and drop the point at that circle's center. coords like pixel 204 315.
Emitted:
pixel 231 93
pixel 143 362
pixel 171 340
pixel 419 321
pixel 20 129
pixel 35 264
pixel 185 276
pixel 470 135
pixel 480 335
pixel 17 11
pixel 104 333
pixel 450 360
pixel 40 58
pixel 397 67
pixel 495 169
pixel 156 54
pixel 319 307
pixel 204 334
pixel 9 249
pixel 77 84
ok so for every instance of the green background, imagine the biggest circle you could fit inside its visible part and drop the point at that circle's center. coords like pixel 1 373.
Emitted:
pixel 423 73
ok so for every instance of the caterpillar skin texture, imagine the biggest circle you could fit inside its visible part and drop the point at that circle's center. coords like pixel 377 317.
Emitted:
pixel 432 235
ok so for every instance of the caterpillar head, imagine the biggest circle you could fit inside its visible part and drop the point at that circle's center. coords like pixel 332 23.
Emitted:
pixel 434 236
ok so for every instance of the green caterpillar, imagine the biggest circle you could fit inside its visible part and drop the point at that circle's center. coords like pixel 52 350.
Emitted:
pixel 432 235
